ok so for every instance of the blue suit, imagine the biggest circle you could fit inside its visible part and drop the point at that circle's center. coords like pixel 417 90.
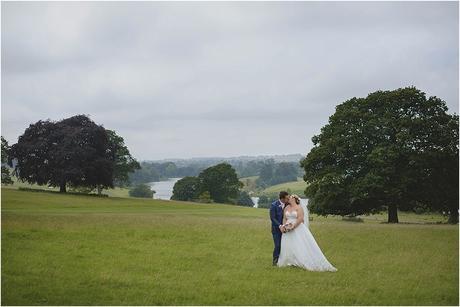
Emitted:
pixel 276 216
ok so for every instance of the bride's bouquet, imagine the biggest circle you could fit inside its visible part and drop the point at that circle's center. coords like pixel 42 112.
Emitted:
pixel 288 227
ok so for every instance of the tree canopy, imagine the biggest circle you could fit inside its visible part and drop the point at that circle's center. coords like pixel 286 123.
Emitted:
pixel 74 151
pixel 124 163
pixel 386 151
pixel 187 189
pixel 219 181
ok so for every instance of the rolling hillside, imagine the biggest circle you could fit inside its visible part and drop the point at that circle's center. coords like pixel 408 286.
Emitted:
pixel 295 187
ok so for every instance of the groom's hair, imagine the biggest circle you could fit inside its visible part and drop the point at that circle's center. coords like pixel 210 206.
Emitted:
pixel 283 194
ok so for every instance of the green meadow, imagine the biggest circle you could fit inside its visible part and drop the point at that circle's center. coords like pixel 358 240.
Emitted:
pixel 17 184
pixel 80 250
pixel 295 187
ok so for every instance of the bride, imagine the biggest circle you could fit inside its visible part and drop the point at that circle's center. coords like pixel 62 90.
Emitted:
pixel 298 247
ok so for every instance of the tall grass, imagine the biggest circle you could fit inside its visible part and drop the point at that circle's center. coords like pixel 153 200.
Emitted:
pixel 75 250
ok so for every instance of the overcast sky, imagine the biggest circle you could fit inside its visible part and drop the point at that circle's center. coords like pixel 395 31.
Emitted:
pixel 181 80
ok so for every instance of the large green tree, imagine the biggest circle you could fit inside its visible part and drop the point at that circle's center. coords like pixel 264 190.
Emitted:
pixel 72 152
pixel 221 182
pixel 440 167
pixel 379 152
pixel 187 189
pixel 124 163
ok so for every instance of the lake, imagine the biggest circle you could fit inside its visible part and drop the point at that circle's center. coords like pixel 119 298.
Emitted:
pixel 163 189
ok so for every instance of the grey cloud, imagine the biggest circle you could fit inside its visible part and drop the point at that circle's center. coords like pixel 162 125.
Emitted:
pixel 180 79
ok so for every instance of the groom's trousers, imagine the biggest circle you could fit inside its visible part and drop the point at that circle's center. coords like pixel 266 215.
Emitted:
pixel 277 240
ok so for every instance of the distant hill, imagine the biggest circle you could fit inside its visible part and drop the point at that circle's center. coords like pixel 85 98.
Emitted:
pixel 215 160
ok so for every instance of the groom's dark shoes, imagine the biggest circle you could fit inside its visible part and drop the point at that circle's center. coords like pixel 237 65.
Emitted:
pixel 275 261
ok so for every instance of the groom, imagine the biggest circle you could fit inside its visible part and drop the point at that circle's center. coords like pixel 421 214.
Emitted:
pixel 276 216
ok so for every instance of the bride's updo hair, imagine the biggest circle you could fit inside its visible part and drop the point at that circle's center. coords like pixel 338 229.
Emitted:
pixel 297 199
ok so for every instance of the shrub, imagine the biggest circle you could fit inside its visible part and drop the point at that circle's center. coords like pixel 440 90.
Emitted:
pixel 142 191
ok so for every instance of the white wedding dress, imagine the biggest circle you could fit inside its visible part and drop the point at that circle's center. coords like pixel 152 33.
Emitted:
pixel 299 248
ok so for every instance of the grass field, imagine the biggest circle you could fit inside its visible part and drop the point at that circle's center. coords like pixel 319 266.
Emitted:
pixel 116 192
pixel 295 187
pixel 80 250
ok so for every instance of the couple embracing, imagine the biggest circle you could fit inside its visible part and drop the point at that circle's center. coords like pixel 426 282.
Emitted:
pixel 294 243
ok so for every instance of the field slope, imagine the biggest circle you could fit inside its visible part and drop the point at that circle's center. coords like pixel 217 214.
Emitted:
pixel 295 187
pixel 80 250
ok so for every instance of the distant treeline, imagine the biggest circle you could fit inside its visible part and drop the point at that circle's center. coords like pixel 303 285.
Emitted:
pixel 153 171
pixel 270 172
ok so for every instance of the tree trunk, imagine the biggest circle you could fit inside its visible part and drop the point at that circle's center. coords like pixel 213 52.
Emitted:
pixel 62 188
pixel 453 217
pixel 99 190
pixel 392 214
